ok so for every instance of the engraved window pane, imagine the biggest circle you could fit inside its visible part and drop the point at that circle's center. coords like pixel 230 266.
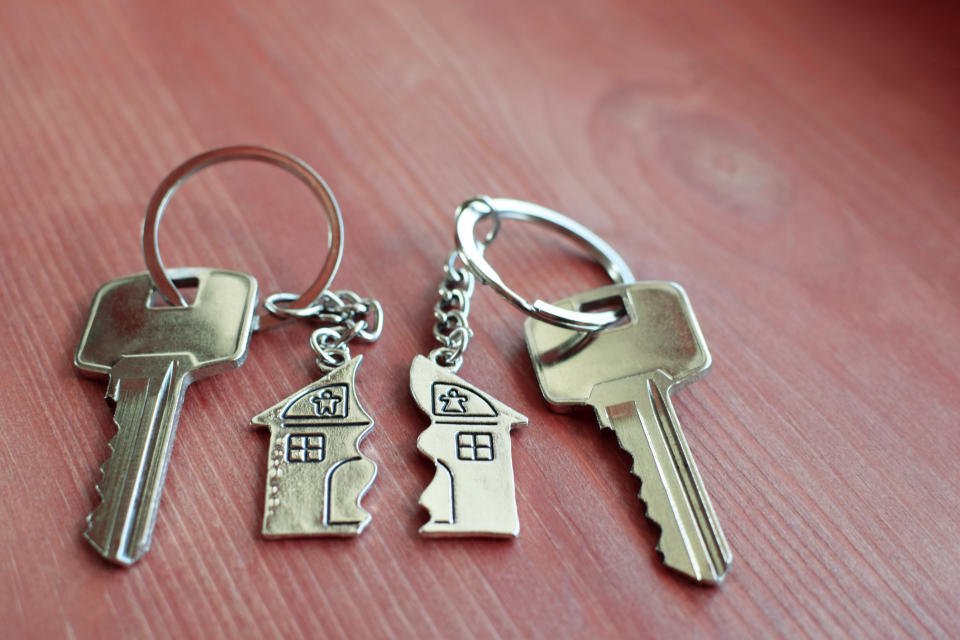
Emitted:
pixel 305 448
pixel 475 446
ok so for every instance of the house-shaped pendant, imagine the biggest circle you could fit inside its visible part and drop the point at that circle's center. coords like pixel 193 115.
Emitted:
pixel 316 475
pixel 472 492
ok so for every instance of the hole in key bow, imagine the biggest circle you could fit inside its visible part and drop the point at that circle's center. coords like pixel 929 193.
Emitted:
pixel 579 340
pixel 187 287
pixel 613 303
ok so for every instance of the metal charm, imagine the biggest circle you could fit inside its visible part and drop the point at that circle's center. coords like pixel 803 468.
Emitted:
pixel 472 493
pixel 316 474
pixel 468 439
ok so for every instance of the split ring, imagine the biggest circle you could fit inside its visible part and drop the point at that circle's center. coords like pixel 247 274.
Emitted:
pixel 471 252
pixel 161 198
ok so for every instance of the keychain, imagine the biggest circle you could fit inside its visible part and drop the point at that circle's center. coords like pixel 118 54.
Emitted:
pixel 472 492
pixel 621 349
pixel 150 344
pixel 316 474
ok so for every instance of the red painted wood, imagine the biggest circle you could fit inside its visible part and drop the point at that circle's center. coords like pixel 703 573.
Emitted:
pixel 793 164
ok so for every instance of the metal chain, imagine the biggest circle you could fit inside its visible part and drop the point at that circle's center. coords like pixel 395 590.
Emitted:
pixel 452 309
pixel 343 316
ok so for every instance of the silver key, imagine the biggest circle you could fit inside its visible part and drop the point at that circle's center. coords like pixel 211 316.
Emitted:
pixel 150 355
pixel 626 373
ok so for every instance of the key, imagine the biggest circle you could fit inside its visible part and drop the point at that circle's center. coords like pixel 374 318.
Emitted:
pixel 150 354
pixel 627 373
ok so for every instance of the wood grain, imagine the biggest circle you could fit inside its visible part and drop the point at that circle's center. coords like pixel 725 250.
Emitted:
pixel 795 165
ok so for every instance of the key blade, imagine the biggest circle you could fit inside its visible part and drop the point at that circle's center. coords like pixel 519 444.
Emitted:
pixel 691 540
pixel 148 393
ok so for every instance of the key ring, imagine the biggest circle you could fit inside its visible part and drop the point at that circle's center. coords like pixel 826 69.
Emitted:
pixel 471 252
pixel 161 198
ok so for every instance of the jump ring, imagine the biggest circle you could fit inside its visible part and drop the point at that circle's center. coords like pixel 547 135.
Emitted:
pixel 324 339
pixel 446 358
pixel 272 303
pixel 373 326
pixel 333 358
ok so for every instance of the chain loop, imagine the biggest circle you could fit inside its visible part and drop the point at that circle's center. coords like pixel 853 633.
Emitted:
pixel 330 347
pixel 342 315
pixel 452 329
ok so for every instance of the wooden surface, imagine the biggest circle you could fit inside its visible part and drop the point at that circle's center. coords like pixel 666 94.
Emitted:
pixel 795 165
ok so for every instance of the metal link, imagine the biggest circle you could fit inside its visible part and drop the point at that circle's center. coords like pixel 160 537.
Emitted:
pixel 343 316
pixel 454 299
pixel 330 347
pixel 451 310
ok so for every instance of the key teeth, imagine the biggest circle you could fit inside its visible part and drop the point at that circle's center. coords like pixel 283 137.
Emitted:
pixel 117 558
pixel 686 568
pixel 655 519
pixel 103 473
